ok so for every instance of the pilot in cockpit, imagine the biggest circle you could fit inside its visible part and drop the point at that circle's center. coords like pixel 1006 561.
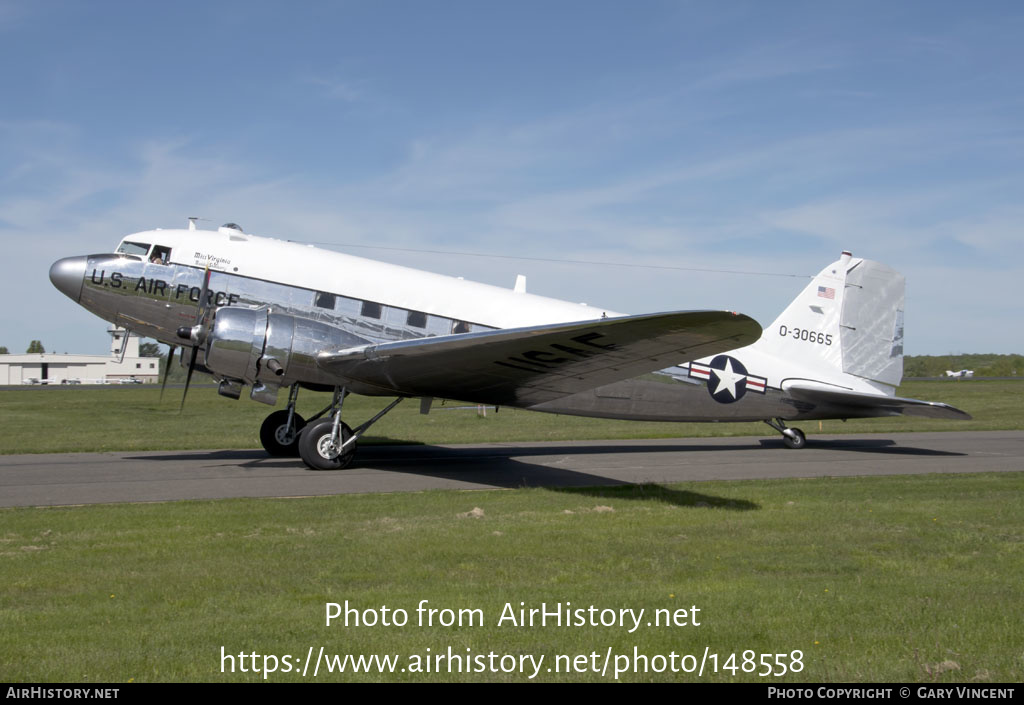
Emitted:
pixel 160 255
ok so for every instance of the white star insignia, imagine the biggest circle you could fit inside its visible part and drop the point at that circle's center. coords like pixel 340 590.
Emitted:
pixel 727 379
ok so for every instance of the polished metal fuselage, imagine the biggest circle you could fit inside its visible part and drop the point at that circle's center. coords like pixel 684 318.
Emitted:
pixel 291 324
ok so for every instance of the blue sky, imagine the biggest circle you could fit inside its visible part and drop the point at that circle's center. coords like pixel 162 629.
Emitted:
pixel 760 137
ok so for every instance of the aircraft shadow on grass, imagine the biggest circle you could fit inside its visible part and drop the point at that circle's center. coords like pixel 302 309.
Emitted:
pixel 864 445
pixel 395 454
pixel 510 467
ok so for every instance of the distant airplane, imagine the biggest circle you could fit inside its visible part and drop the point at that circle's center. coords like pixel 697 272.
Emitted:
pixel 960 373
pixel 279 315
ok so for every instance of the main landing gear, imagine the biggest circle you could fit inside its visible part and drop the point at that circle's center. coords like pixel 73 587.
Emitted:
pixel 280 431
pixel 793 437
pixel 329 444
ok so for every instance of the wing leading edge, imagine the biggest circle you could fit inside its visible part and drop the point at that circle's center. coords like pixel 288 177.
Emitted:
pixel 526 366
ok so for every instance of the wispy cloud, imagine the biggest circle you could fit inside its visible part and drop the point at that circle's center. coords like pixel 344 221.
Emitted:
pixel 763 63
pixel 336 88
pixel 731 139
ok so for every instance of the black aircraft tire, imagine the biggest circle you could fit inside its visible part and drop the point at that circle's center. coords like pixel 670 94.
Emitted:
pixel 272 432
pixel 314 450
pixel 797 441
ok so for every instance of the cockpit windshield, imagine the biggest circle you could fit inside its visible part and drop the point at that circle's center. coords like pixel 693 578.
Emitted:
pixel 133 248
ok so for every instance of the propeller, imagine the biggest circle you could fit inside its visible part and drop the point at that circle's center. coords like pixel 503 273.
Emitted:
pixel 167 369
pixel 197 333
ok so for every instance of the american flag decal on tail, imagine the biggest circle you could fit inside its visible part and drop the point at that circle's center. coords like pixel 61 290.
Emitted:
pixel 826 292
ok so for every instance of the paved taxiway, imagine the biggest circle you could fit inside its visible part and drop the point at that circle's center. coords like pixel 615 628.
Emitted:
pixel 88 478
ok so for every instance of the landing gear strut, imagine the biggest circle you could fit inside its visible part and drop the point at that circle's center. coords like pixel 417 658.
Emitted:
pixel 793 437
pixel 331 444
pixel 279 433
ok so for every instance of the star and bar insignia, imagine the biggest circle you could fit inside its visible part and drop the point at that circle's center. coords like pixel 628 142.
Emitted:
pixel 728 380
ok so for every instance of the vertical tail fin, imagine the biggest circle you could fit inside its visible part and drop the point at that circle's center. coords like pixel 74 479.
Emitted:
pixel 848 320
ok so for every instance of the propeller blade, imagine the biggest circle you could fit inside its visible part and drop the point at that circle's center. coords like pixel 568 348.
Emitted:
pixel 188 376
pixel 200 321
pixel 167 370
pixel 201 314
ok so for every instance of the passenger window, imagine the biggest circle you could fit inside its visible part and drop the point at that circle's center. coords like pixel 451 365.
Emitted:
pixel 460 327
pixel 325 300
pixel 416 319
pixel 371 310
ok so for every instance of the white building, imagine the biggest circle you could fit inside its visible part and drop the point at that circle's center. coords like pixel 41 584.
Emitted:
pixel 57 368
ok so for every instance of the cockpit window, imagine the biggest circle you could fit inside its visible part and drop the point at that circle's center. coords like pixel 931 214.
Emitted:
pixel 133 248
pixel 160 255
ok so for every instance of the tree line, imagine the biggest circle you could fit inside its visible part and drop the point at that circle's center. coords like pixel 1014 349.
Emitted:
pixel 34 347
pixel 983 365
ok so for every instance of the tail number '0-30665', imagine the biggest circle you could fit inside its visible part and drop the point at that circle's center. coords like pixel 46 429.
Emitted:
pixel 810 336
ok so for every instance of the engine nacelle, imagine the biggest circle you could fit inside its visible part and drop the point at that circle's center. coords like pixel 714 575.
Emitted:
pixel 271 350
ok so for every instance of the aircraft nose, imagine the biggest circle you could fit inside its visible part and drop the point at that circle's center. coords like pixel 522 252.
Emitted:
pixel 68 275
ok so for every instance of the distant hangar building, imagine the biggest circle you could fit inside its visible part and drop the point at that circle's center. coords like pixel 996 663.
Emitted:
pixel 63 368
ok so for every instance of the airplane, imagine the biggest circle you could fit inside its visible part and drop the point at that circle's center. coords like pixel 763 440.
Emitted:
pixel 960 373
pixel 275 314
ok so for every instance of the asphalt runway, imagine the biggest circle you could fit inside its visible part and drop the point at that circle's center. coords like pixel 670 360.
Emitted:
pixel 91 478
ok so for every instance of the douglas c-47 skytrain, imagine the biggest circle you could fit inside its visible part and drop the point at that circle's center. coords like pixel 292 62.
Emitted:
pixel 278 315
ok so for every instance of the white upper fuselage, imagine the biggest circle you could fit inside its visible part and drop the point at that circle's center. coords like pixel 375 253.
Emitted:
pixel 309 267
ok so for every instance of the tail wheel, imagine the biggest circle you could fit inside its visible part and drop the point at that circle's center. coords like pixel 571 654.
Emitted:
pixel 277 437
pixel 319 452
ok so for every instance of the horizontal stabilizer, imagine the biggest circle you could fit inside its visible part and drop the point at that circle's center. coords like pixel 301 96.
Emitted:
pixel 861 404
pixel 526 366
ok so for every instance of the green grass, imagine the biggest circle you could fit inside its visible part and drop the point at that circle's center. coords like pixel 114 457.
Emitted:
pixel 37 420
pixel 872 579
